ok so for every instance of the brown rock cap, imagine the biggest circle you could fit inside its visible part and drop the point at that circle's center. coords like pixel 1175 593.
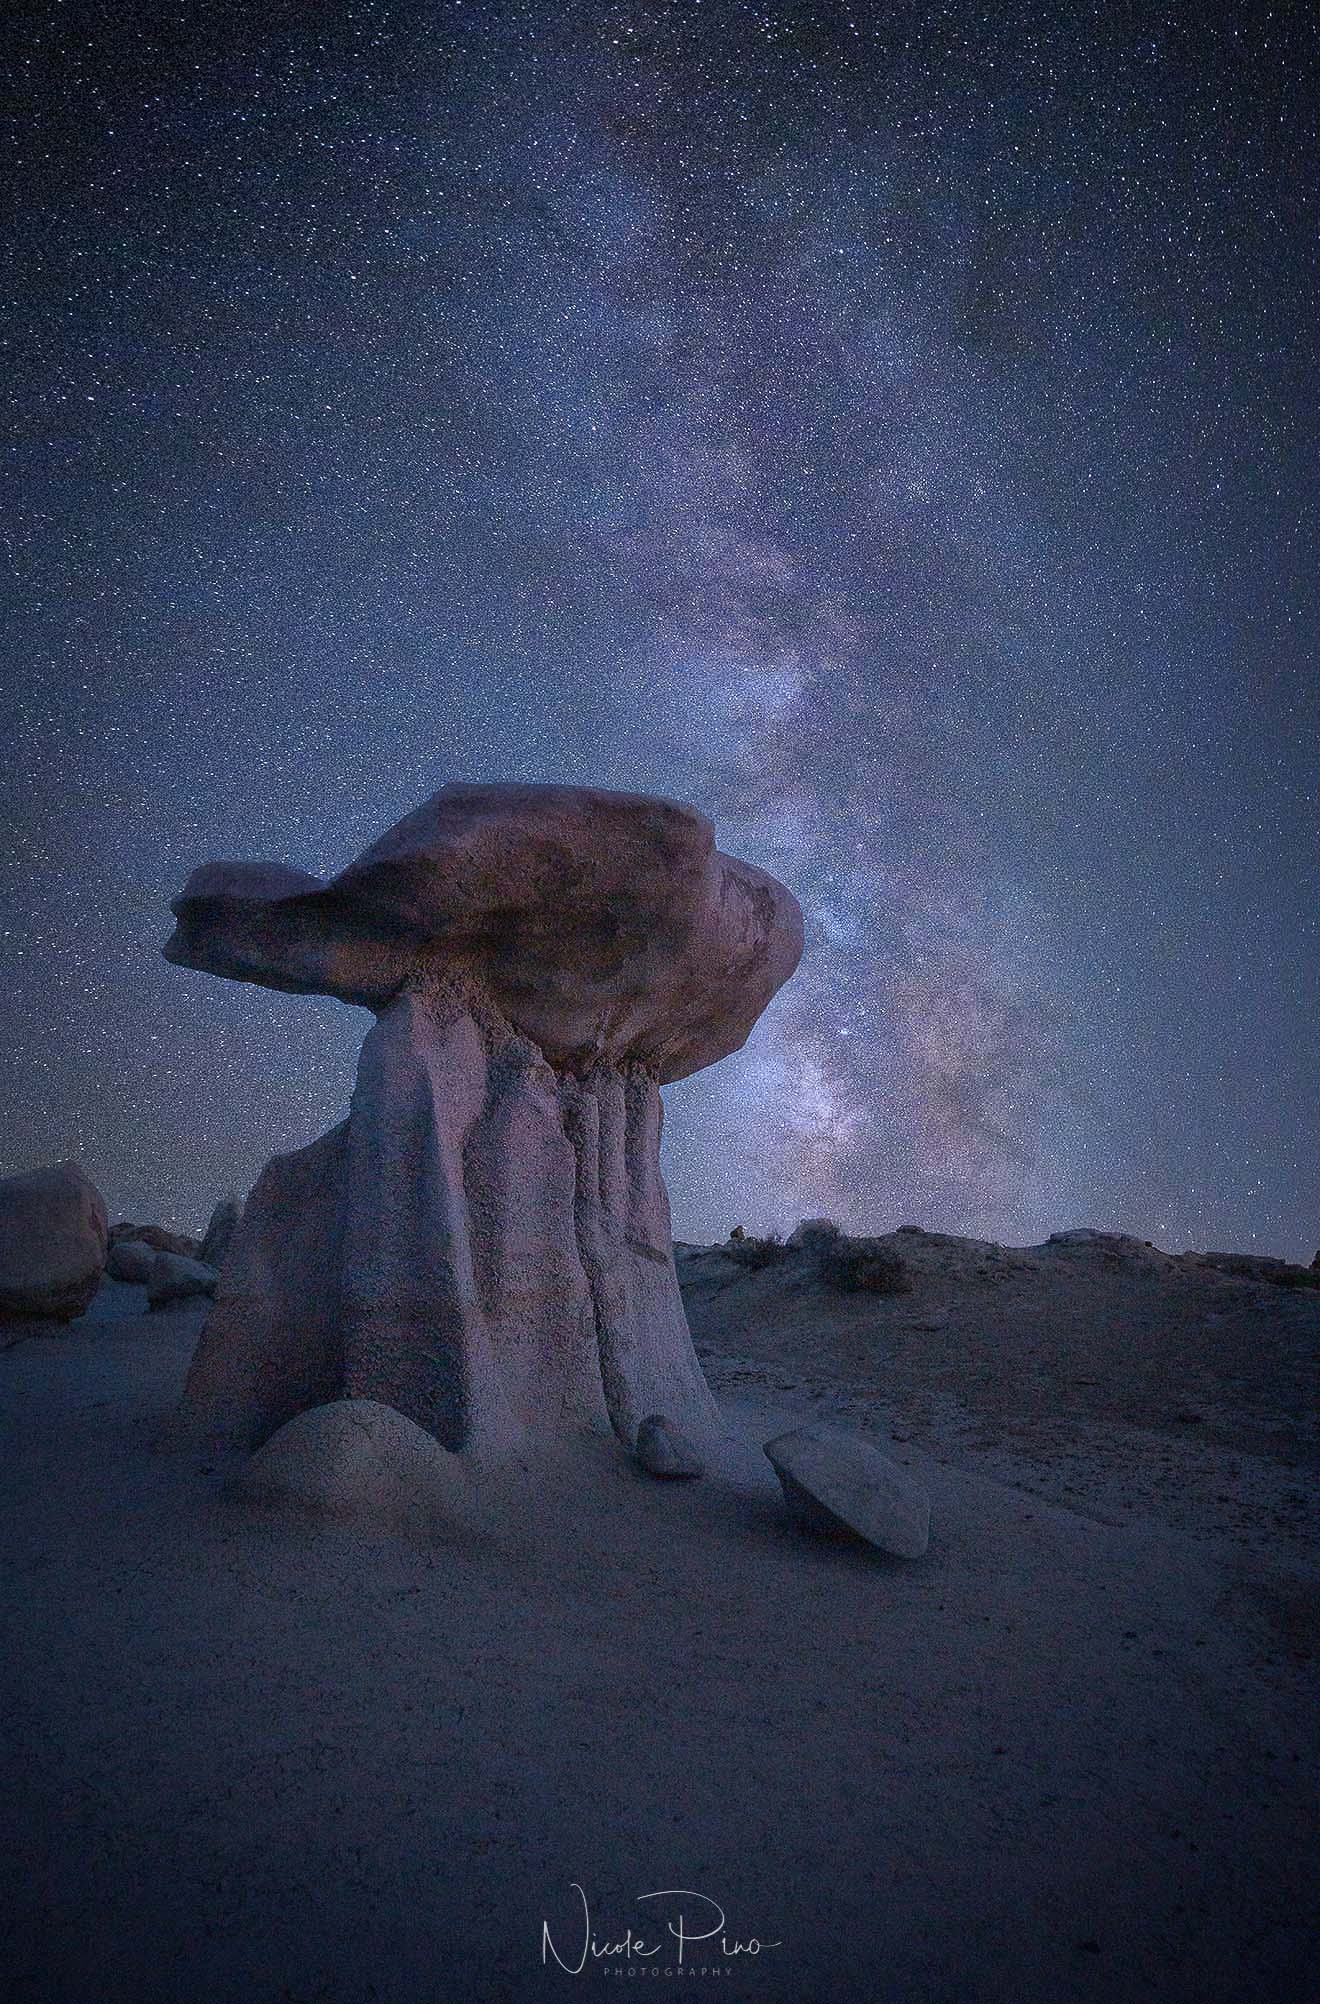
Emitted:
pixel 604 926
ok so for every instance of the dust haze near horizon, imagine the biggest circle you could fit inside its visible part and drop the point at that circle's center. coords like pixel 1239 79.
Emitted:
pixel 895 435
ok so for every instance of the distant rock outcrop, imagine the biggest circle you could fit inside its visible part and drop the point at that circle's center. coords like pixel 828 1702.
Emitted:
pixel 1259 1267
pixel 157 1238
pixel 52 1243
pixel 818 1250
pixel 219 1233
pixel 893 1263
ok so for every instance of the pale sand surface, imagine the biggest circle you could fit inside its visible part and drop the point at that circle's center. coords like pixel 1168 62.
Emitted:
pixel 1068 1755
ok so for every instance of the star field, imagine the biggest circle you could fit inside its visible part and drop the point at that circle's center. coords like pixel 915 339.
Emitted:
pixel 893 430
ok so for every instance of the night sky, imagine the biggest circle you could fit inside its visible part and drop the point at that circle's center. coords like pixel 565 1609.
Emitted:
pixel 893 430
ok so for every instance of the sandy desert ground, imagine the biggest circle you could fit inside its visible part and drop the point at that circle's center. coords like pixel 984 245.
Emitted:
pixel 1068 1755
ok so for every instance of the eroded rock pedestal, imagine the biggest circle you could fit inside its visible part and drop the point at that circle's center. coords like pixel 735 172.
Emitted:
pixel 484 1244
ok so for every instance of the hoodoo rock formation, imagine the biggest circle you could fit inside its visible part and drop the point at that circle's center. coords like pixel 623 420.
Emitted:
pixel 484 1243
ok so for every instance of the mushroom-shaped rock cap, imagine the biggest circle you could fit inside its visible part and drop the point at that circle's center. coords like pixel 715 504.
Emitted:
pixel 603 925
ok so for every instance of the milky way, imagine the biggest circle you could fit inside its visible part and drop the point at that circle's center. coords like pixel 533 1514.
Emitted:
pixel 892 431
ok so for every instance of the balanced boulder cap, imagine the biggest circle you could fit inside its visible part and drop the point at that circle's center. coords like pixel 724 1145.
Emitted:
pixel 485 1242
pixel 603 926
pixel 835 1482
pixel 53 1236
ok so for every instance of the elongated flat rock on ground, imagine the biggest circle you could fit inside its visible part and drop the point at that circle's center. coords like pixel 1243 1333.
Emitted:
pixel 836 1482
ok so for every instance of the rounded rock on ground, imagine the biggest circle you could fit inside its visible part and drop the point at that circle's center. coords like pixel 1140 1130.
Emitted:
pixel 131 1261
pixel 835 1482
pixel 173 1278
pixel 53 1235
pixel 662 1450
pixel 358 1461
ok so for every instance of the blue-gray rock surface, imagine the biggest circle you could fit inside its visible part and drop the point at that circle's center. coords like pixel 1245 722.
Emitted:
pixel 836 1482
pixel 661 1449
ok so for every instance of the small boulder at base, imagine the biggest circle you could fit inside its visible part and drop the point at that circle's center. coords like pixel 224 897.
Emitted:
pixel 836 1482
pixel 131 1260
pixel 662 1450
pixel 52 1243
pixel 219 1233
pixel 358 1461
pixel 173 1278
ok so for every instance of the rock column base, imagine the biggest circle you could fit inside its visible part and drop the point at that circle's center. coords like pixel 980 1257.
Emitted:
pixel 484 1245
